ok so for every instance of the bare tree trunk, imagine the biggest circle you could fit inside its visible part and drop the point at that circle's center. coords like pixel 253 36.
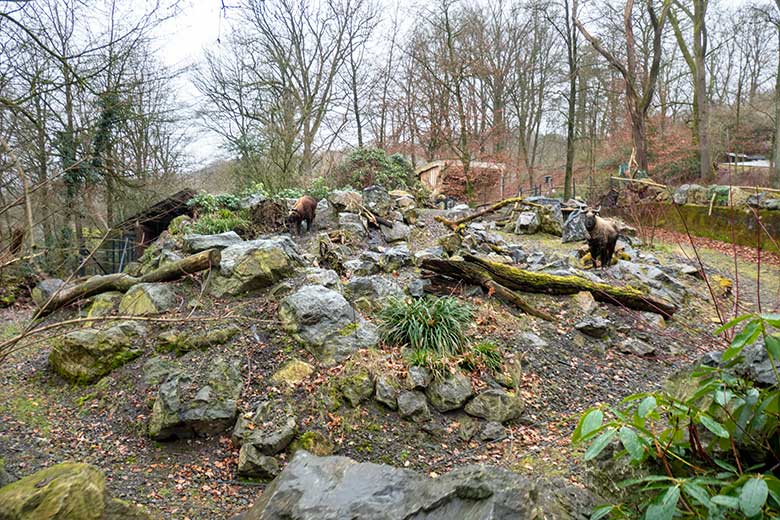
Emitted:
pixel 30 232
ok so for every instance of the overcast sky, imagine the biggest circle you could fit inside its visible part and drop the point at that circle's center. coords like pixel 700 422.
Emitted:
pixel 182 40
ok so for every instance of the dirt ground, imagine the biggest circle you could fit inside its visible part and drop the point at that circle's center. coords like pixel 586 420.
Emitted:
pixel 45 420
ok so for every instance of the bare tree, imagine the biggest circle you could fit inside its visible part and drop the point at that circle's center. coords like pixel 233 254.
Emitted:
pixel 639 90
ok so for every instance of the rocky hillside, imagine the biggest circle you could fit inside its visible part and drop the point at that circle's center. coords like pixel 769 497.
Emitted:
pixel 183 398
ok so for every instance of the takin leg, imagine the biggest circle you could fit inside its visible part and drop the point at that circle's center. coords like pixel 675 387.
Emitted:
pixel 594 251
pixel 609 251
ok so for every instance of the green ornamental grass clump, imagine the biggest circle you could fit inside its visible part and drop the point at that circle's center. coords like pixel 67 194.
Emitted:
pixel 434 325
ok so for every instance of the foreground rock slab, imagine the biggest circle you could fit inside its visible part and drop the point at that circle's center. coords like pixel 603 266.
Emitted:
pixel 62 492
pixel 335 488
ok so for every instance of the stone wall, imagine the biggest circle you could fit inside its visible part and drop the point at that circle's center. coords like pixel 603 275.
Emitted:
pixel 721 224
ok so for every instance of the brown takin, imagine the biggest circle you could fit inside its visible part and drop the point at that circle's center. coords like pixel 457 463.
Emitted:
pixel 603 237
pixel 303 211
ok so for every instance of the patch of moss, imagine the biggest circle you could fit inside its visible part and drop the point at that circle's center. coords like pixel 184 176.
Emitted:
pixel 314 442
pixel 27 411
pixel 349 329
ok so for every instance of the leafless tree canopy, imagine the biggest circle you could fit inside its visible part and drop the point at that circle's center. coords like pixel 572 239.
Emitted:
pixel 92 128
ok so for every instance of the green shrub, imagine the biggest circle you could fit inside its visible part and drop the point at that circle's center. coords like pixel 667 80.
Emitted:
pixel 435 325
pixel 208 203
pixel 715 449
pixel 221 221
pixel 367 166
pixel 319 188
pixel 288 193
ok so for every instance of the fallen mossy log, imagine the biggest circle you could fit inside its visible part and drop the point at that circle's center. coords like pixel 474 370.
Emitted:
pixel 123 282
pixel 477 275
pixel 456 224
pixel 514 278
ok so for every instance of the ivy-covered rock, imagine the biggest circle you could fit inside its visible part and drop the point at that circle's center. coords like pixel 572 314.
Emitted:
pixel 496 405
pixel 64 492
pixel 84 356
pixel 199 401
pixel 255 264
pixel 147 298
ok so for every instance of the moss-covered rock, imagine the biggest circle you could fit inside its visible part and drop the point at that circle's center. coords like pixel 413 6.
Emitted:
pixel 356 386
pixel 496 405
pixel 324 323
pixel 183 342
pixel 147 298
pixel 104 304
pixel 45 290
pixel 293 373
pixel 314 442
pixel 68 491
pixel 196 402
pixel 255 264
pixel 86 355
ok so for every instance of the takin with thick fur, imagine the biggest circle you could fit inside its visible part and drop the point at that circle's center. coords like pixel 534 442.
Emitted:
pixel 603 237
pixel 303 211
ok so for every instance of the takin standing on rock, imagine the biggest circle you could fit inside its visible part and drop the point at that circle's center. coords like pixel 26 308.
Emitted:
pixel 303 211
pixel 603 237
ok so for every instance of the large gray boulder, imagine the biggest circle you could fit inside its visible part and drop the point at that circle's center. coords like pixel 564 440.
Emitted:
pixel 85 355
pixel 527 223
pixel 354 224
pixel 45 289
pixel 336 488
pixel 496 405
pixel 574 228
pixel 147 298
pixel 344 199
pixel 325 323
pixel 196 243
pixel 450 393
pixel 255 264
pixel 374 290
pixel 377 199
pixel 198 401
pixel 325 216
pixel 398 232
pixel 395 258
